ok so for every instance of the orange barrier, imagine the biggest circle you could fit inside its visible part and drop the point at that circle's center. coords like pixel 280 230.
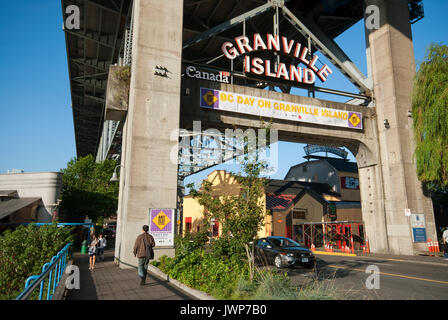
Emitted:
pixel 352 244
pixel 436 246
pixel 367 246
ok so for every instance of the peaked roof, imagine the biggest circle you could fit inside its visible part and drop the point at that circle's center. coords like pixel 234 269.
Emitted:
pixel 343 165
pixel 338 164
pixel 281 194
pixel 13 205
pixel 293 187
pixel 278 202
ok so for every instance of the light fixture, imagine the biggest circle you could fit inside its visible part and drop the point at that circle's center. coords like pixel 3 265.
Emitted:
pixel 386 124
pixel 114 175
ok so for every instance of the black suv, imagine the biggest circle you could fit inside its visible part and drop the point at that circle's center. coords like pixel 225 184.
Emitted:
pixel 282 251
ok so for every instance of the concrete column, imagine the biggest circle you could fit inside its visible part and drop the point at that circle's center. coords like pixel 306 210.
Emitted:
pixel 149 176
pixel 393 70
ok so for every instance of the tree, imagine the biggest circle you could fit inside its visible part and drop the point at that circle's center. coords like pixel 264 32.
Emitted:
pixel 430 114
pixel 241 215
pixel 87 191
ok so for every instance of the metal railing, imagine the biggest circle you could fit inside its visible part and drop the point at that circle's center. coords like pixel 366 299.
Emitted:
pixel 52 271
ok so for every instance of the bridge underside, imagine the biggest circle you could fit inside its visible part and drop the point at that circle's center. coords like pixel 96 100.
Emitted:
pixel 160 105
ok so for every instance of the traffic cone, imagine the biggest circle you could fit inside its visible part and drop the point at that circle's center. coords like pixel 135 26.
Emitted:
pixel 353 245
pixel 367 245
pixel 313 247
pixel 437 246
pixel 429 245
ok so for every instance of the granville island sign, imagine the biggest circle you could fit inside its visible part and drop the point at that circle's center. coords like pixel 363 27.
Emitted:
pixel 265 107
pixel 307 75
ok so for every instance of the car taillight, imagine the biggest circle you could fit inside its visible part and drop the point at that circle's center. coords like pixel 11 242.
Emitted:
pixel 283 254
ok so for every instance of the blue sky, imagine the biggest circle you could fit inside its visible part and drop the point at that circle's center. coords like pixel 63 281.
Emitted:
pixel 36 124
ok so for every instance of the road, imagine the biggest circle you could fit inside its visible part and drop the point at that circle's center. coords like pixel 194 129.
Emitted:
pixel 398 279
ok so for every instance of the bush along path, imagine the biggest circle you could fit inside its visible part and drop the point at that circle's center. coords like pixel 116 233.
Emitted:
pixel 224 267
pixel 24 251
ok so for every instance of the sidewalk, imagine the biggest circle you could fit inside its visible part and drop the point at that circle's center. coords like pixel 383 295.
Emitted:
pixel 422 259
pixel 109 282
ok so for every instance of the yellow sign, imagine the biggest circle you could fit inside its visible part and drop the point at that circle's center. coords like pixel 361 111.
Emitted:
pixel 209 98
pixel 354 119
pixel 161 220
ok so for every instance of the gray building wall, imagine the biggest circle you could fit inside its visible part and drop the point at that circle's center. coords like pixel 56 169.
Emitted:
pixel 315 171
pixel 46 185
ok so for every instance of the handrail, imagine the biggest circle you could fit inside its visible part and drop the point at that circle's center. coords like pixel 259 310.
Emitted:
pixel 58 264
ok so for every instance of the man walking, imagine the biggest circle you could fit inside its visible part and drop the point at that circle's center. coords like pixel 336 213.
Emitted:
pixel 103 244
pixel 144 252
pixel 445 243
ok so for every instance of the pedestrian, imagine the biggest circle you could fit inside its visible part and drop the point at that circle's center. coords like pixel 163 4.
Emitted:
pixel 102 244
pixel 445 243
pixel 93 251
pixel 144 252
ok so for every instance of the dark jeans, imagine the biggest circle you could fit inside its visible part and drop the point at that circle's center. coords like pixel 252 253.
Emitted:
pixel 143 267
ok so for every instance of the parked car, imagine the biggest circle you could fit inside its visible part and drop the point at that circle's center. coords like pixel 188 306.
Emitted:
pixel 282 251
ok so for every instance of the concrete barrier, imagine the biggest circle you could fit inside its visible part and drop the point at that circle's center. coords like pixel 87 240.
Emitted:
pixel 193 292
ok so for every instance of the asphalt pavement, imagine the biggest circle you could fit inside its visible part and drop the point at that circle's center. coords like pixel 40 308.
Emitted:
pixel 397 277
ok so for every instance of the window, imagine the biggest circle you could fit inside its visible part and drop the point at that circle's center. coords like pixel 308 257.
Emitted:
pixel 262 243
pixel 188 224
pixel 299 213
pixel 215 231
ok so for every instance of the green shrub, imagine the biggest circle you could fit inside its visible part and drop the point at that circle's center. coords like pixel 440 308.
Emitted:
pixel 190 242
pixel 24 251
pixel 202 271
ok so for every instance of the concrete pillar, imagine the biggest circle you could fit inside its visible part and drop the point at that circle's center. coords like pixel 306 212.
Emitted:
pixel 393 70
pixel 149 177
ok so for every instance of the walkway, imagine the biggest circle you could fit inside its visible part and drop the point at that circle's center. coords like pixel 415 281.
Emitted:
pixel 109 282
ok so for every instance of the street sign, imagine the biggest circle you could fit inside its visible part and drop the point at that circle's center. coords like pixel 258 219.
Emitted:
pixel 418 226
pixel 162 226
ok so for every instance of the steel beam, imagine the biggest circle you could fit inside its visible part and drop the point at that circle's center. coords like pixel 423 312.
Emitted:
pixel 90 36
pixel 227 25
pixel 330 50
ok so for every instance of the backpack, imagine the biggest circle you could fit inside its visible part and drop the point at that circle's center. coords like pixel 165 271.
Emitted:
pixel 149 250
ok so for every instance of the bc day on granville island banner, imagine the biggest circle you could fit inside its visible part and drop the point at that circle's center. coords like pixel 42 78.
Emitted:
pixel 264 107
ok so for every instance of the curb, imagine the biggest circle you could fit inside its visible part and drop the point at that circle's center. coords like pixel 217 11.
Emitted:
pixel 193 292
pixel 335 254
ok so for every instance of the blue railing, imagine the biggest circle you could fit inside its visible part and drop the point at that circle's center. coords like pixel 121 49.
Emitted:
pixel 51 275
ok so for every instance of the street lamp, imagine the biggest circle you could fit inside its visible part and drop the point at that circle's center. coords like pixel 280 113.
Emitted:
pixel 114 175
